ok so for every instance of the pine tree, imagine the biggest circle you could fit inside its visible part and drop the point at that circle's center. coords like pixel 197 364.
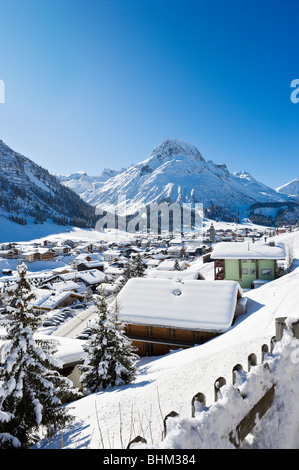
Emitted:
pixel 176 266
pixel 88 296
pixel 32 390
pixel 139 267
pixel 127 274
pixel 110 358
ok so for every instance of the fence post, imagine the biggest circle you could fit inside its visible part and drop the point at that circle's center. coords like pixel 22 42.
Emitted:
pixel 199 402
pixel 272 343
pixel 136 441
pixel 217 386
pixel 280 326
pixel 265 351
pixel 172 414
pixel 236 368
pixel 252 361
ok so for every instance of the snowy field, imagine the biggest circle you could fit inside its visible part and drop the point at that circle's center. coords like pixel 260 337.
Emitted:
pixel 112 418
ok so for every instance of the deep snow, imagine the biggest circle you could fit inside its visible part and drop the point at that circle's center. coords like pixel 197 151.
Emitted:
pixel 112 418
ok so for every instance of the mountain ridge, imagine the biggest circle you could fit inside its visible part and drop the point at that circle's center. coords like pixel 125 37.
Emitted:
pixel 177 172
pixel 28 191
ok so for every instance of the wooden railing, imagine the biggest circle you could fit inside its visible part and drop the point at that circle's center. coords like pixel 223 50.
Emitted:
pixel 253 412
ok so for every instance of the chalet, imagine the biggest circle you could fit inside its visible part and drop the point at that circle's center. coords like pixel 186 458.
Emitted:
pixel 246 262
pixel 161 314
pixel 61 250
pixel 8 254
pixel 64 286
pixel 46 255
pixel 6 272
pixel 91 278
pixel 169 265
pixel 113 272
pixel 186 274
pixel 40 254
pixel 107 288
pixel 195 250
pixel 85 266
pixel 48 301
pixel 111 255
pixel 176 251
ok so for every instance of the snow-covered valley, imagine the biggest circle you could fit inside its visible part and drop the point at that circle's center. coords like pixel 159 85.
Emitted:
pixel 110 419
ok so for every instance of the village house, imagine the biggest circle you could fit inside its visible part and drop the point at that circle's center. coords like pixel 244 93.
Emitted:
pixel 161 314
pixel 63 285
pixel 91 278
pixel 247 262
pixel 61 250
pixel 113 273
pixel 51 300
pixel 40 254
pixel 111 255
pixel 176 251
pixel 169 265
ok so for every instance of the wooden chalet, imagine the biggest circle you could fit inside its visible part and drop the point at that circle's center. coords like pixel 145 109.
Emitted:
pixel 161 315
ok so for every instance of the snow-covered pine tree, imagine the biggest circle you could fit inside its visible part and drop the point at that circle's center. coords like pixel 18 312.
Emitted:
pixel 139 268
pixel 127 274
pixel 88 296
pixel 31 389
pixel 110 357
pixel 176 266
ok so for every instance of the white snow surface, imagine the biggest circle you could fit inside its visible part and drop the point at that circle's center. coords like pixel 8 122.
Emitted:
pixel 112 419
pixel 175 171
pixel 190 304
pixel 248 250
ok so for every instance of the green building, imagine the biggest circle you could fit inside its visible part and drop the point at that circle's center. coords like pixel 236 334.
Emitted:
pixel 247 262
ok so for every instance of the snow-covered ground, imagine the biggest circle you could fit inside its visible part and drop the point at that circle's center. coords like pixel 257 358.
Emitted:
pixel 112 418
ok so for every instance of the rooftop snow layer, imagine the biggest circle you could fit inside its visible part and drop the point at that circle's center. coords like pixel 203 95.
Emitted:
pixel 192 304
pixel 248 250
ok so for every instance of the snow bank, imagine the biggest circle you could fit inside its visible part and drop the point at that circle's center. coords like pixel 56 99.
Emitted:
pixel 212 425
pixel 168 383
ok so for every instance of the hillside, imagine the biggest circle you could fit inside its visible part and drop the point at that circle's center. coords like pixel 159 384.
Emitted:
pixel 291 188
pixel 29 193
pixel 111 418
pixel 175 172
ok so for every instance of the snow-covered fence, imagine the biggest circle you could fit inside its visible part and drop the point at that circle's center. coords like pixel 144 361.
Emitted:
pixel 238 407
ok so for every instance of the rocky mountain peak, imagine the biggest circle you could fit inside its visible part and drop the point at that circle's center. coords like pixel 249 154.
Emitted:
pixel 174 148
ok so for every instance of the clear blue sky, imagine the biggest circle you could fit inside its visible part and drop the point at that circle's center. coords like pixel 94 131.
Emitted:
pixel 99 83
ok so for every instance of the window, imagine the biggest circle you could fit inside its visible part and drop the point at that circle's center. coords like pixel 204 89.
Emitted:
pixel 244 260
pixel 149 331
pixel 266 272
pixel 244 270
pixel 196 337
pixel 253 271
pixel 171 333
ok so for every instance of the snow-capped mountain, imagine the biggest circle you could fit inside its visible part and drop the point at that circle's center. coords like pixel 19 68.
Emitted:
pixel 175 172
pixel 291 188
pixel 82 183
pixel 28 190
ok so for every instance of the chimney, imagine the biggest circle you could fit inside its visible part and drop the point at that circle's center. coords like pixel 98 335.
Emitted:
pixel 271 243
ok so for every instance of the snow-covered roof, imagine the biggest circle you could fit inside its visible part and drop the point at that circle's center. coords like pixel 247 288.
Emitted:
pixel 168 264
pixel 174 275
pixel 50 300
pixel 64 285
pixel 248 250
pixel 91 276
pixel 191 304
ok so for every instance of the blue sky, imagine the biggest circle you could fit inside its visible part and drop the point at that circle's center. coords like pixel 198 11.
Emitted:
pixel 91 84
